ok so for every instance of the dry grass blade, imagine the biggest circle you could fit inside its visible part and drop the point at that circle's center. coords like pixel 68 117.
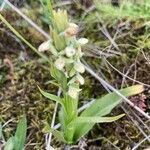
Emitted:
pixel 136 124
pixel 136 147
pixel 2 6
pixel 124 75
pixel 49 136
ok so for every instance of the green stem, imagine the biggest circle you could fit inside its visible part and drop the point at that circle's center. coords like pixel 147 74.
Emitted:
pixel 50 8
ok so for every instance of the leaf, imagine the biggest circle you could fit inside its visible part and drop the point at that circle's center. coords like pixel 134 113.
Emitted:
pixel 96 119
pixel 59 41
pixel 51 96
pixel 52 82
pixel 61 116
pixel 50 8
pixel 20 135
pixel 60 77
pixel 102 107
pixel 57 134
pixel 69 134
pixel 9 144
pixel 47 17
pixel 70 106
pixel 66 116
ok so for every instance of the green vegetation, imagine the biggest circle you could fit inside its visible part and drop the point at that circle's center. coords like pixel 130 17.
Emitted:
pixel 17 142
pixel 66 69
pixel 126 10
pixel 60 68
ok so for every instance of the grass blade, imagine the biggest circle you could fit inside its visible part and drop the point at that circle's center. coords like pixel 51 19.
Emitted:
pixel 50 8
pixel 20 135
pixel 22 38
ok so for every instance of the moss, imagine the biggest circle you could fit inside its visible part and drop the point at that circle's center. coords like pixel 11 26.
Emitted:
pixel 23 97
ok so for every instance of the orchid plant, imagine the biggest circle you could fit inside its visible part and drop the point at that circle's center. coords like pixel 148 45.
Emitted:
pixel 67 71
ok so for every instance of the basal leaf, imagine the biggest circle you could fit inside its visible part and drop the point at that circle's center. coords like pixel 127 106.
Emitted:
pixel 69 133
pixel 102 107
pixel 70 105
pixel 66 116
pixel 95 119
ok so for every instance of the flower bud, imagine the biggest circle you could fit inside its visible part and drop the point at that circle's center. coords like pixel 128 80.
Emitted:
pixel 80 79
pixel 73 92
pixel 79 52
pixel 83 41
pixel 72 29
pixel 79 67
pixel 70 51
pixel 60 63
pixel 72 72
pixel 44 46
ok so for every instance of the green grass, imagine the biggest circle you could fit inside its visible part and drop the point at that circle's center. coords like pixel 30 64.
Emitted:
pixel 126 10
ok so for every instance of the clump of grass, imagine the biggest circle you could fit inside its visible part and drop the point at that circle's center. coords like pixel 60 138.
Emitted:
pixel 129 10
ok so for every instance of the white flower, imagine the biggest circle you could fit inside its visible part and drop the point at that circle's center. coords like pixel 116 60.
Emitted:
pixel 44 46
pixel 80 79
pixel 70 51
pixel 83 41
pixel 73 92
pixel 72 29
pixel 60 63
pixel 79 67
